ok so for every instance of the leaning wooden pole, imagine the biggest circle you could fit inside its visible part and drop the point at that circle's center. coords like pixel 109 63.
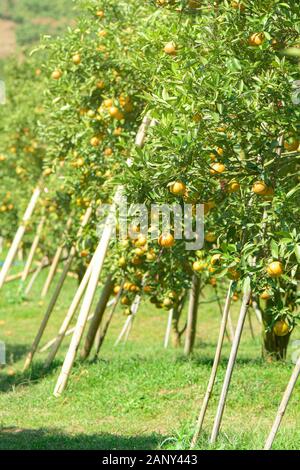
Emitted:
pixel 231 361
pixel 168 329
pixel 283 405
pixel 98 315
pixel 33 249
pixel 47 315
pixel 19 235
pixel 52 271
pixel 88 299
pixel 215 366
pixel 192 316
pixel 42 265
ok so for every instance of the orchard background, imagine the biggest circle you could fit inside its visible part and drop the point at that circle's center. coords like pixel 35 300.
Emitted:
pixel 176 102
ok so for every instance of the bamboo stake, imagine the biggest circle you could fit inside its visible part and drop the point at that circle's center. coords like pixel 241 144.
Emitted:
pixel 52 271
pixel 33 249
pixel 19 235
pixel 168 330
pixel 215 366
pixel 47 315
pixel 250 324
pixel 128 322
pixel 98 315
pixel 283 405
pixel 55 295
pixel 124 329
pixel 68 332
pixel 192 316
pixel 231 362
pixel 134 311
pixel 43 264
pixel 88 299
pixel 15 277
pixel 101 334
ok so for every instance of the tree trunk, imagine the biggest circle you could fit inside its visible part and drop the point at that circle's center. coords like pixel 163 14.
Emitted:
pixel 274 347
pixel 192 316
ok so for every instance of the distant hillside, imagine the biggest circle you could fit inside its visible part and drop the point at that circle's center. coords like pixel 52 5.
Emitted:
pixel 22 22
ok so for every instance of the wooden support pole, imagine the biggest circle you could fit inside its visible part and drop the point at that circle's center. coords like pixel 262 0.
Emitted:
pixel 168 329
pixel 33 249
pixel 55 296
pixel 88 299
pixel 69 332
pixel 98 315
pixel 231 361
pixel 283 405
pixel 192 316
pixel 43 264
pixel 19 235
pixel 47 315
pixel 52 271
pixel 215 366
pixel 129 320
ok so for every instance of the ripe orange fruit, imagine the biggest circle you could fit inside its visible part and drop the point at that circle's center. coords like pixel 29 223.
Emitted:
pixel 213 281
pixel 116 113
pixel 84 253
pixel 125 300
pixel 56 74
pixel 117 289
pixel 210 237
pixel 118 131
pixel 108 103
pixel 217 168
pixel 260 188
pixel 233 186
pixel 122 262
pixel 47 172
pixel 76 59
pixel 291 145
pixel 265 295
pixel 220 151
pixel 275 269
pixel 100 85
pixel 102 33
pixel 256 39
pixel 100 13
pixel 166 240
pixel 281 328
pixel 95 141
pixel 235 297
pixel 178 188
pixel 198 266
pixel 136 260
pixel 170 48
pixel 141 240
pixel 151 256
pixel 108 152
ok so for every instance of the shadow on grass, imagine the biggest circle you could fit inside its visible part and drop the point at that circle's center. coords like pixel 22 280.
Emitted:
pixel 10 381
pixel 208 360
pixel 14 438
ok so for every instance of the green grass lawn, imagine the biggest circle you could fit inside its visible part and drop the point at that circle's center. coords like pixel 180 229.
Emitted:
pixel 138 396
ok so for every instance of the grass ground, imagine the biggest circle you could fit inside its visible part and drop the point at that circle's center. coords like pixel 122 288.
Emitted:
pixel 139 396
